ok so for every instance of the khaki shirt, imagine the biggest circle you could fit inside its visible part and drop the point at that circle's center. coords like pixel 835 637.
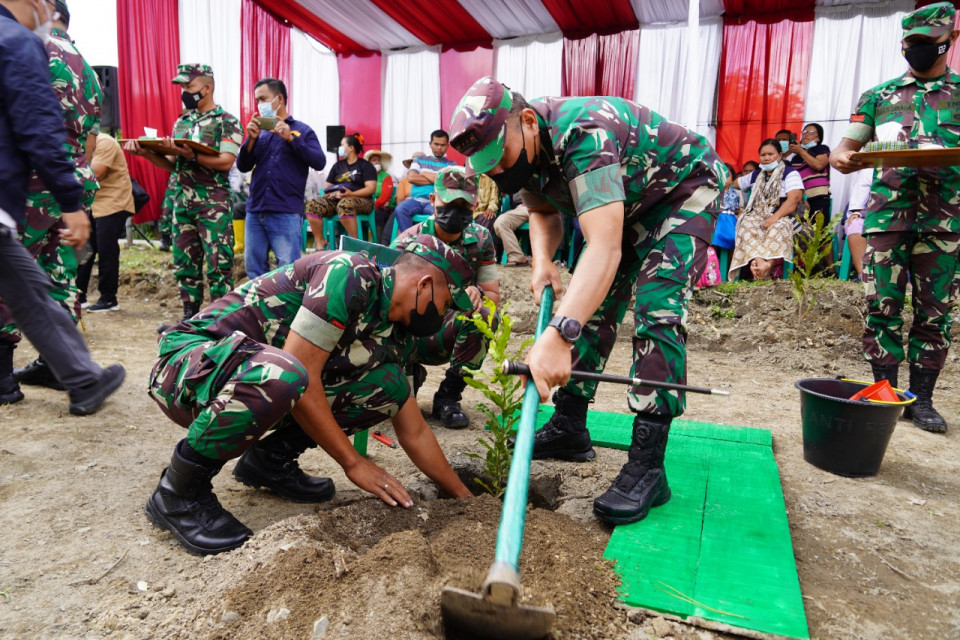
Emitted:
pixel 116 190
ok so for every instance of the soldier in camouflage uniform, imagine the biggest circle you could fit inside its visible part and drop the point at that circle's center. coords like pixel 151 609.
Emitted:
pixel 78 90
pixel 458 342
pixel 314 350
pixel 166 213
pixel 202 217
pixel 645 192
pixel 912 221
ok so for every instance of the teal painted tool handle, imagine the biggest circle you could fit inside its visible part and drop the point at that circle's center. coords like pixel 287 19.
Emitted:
pixel 513 515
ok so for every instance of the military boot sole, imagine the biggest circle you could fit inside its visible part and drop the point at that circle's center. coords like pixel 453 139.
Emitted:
pixel 158 519
pixel 250 478
pixel 627 518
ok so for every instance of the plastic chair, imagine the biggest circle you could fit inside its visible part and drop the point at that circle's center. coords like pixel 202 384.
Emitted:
pixel 420 217
pixel 723 256
pixel 525 227
pixel 367 223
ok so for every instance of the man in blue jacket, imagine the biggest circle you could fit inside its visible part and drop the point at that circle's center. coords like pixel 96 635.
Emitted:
pixel 280 153
pixel 32 136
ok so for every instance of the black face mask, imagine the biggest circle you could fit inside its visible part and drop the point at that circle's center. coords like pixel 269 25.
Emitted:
pixel 428 323
pixel 922 57
pixel 517 176
pixel 191 100
pixel 452 218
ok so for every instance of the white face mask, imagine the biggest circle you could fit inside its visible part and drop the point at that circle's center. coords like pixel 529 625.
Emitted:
pixel 42 29
pixel 377 167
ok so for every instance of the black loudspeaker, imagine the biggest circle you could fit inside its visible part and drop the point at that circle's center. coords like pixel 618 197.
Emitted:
pixel 110 107
pixel 335 134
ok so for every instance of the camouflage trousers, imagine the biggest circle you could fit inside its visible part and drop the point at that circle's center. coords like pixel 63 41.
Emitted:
pixel 658 277
pixel 229 392
pixel 458 342
pixel 166 207
pixel 929 263
pixel 203 236
pixel 41 237
pixel 345 207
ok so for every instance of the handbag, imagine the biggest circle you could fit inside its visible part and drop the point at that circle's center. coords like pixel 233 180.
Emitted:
pixel 140 196
pixel 725 233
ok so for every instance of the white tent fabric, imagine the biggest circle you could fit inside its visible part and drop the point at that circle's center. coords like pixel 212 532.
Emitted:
pixel 363 22
pixel 657 11
pixel 670 71
pixel 854 48
pixel 511 18
pixel 411 102
pixel 532 65
pixel 210 33
pixel 314 86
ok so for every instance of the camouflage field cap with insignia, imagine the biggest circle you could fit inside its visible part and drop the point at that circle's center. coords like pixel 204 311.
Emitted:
pixel 933 21
pixel 457 270
pixel 480 123
pixel 187 72
pixel 453 183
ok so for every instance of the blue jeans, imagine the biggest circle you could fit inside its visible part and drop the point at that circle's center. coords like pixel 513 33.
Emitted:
pixel 281 232
pixel 407 209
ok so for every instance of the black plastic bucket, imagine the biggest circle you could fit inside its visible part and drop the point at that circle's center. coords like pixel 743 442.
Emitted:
pixel 843 436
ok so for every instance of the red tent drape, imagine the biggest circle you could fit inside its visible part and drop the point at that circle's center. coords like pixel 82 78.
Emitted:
pixel 459 70
pixel 763 77
pixel 265 54
pixel 596 16
pixel 603 65
pixel 436 22
pixel 360 95
pixel 147 98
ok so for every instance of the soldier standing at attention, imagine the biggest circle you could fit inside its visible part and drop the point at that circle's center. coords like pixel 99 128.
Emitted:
pixel 646 194
pixel 202 215
pixel 912 220
pixel 458 342
pixel 77 89
pixel 314 350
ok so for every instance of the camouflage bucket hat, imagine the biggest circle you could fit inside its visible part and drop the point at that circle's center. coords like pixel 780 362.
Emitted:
pixel 480 123
pixel 187 72
pixel 453 183
pixel 933 21
pixel 457 270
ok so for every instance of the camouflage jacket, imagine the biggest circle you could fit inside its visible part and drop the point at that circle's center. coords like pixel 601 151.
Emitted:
pixel 78 90
pixel 475 246
pixel 336 300
pixel 928 112
pixel 197 184
pixel 601 150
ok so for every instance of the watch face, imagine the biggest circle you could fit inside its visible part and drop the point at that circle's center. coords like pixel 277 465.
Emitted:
pixel 570 329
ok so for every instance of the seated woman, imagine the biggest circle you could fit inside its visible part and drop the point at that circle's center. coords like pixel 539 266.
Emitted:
pixel 764 237
pixel 384 198
pixel 348 192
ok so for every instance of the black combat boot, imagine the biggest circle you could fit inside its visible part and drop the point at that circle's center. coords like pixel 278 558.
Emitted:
pixel 922 382
pixel 565 436
pixel 885 372
pixel 9 389
pixel 165 242
pixel 185 505
pixel 446 401
pixel 271 463
pixel 190 309
pixel 38 373
pixel 642 482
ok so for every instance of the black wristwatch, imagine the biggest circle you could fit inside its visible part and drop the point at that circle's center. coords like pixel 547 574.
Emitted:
pixel 569 328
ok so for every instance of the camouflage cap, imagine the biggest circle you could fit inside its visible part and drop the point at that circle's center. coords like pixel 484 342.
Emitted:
pixel 480 123
pixel 933 21
pixel 457 270
pixel 187 72
pixel 453 183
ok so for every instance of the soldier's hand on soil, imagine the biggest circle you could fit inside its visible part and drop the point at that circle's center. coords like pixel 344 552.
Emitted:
pixel 544 273
pixel 375 480
pixel 78 229
pixel 550 362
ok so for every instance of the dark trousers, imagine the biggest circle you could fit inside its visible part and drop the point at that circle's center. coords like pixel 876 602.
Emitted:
pixel 103 240
pixel 26 290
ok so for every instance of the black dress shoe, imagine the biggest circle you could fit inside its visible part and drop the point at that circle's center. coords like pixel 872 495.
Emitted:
pixel 38 373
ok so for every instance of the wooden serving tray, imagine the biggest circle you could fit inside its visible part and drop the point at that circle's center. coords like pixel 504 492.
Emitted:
pixel 947 157
pixel 156 144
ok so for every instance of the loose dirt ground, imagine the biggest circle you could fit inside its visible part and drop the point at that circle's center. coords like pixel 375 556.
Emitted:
pixel 877 557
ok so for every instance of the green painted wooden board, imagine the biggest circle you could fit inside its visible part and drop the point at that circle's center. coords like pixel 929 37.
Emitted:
pixel 720 549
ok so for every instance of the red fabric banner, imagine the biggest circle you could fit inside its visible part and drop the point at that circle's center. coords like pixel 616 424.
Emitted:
pixel 459 70
pixel 265 54
pixel 147 98
pixel 361 95
pixel 604 65
pixel 596 16
pixel 763 79
pixel 308 22
pixel 435 22
pixel 748 8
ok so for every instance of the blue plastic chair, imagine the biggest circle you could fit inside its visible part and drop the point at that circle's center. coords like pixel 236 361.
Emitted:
pixel 525 227
pixel 420 217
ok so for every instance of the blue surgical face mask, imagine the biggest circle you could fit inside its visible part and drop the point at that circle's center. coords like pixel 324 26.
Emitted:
pixel 784 145
pixel 341 152
pixel 266 109
pixel 809 145
pixel 770 166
